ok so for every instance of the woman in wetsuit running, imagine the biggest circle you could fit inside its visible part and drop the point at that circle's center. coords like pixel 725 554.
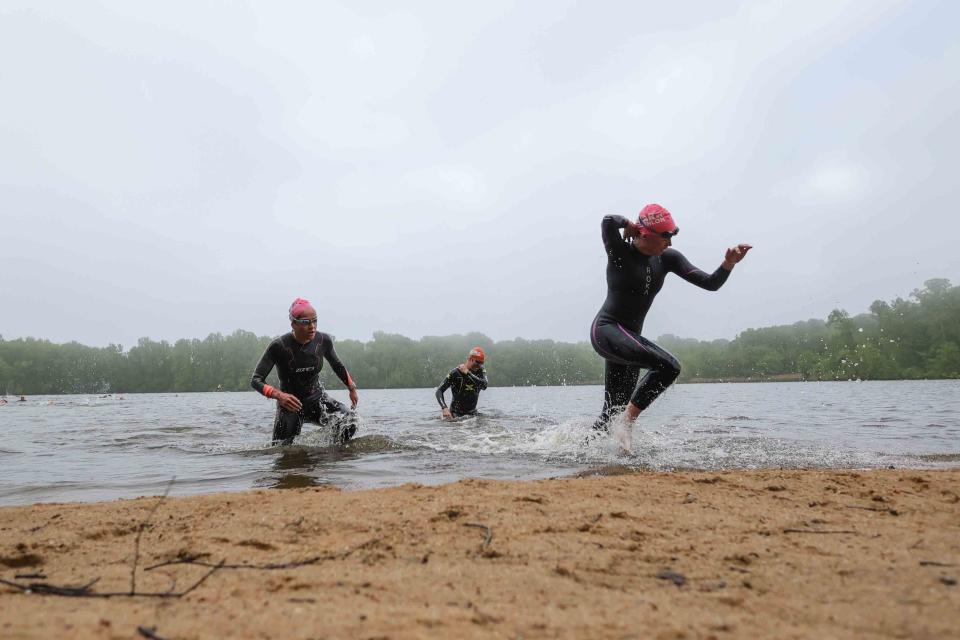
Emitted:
pixel 637 264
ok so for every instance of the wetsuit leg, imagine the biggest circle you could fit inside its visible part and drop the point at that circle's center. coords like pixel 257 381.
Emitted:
pixel 629 352
pixel 286 426
pixel 663 370
pixel 619 380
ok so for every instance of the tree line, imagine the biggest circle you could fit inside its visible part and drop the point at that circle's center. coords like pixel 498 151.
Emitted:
pixel 913 338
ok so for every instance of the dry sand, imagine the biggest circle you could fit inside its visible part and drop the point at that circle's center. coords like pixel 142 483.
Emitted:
pixel 772 554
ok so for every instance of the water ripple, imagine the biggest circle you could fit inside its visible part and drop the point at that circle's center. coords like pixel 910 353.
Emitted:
pixel 91 448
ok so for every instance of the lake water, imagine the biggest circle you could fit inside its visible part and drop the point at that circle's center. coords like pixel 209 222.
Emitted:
pixel 84 448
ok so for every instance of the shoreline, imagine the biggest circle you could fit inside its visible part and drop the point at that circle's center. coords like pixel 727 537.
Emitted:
pixel 771 553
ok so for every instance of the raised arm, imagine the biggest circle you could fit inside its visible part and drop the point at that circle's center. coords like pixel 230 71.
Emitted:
pixel 610 231
pixel 676 262
pixel 479 380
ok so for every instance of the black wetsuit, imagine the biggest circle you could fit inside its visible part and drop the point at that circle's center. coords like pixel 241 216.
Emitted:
pixel 466 390
pixel 633 281
pixel 298 367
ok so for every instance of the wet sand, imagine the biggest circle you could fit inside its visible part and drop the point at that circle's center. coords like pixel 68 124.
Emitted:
pixel 827 554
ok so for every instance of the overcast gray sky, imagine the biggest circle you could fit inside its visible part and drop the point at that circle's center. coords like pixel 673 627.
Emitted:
pixel 171 169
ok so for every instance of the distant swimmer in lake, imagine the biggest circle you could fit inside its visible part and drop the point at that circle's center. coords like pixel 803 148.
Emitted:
pixel 298 357
pixel 467 381
pixel 637 264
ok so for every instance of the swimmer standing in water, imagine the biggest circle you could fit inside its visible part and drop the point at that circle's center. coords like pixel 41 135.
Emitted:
pixel 637 264
pixel 298 357
pixel 467 381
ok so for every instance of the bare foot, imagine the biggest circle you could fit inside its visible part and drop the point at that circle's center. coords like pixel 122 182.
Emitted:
pixel 622 434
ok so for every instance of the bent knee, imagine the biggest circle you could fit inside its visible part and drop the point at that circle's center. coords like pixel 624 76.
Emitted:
pixel 670 367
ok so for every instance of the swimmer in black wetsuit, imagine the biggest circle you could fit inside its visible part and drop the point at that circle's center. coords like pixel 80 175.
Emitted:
pixel 637 264
pixel 298 357
pixel 467 381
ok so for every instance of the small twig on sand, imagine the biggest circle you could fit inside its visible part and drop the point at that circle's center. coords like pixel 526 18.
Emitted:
pixel 817 531
pixel 270 566
pixel 201 580
pixel 892 512
pixel 149 632
pixel 934 563
pixel 488 534
pixel 676 578
pixel 273 566
pixel 53 590
pixel 189 558
pixel 143 525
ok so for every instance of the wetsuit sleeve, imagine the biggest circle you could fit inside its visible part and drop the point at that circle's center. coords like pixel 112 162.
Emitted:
pixel 263 369
pixel 338 367
pixel 676 262
pixel 479 380
pixel 443 387
pixel 610 231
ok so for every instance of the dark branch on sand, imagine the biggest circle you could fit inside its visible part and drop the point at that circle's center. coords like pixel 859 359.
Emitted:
pixel 44 588
pixel 488 534
pixel 191 558
pixel 52 589
pixel 83 591
pixel 143 525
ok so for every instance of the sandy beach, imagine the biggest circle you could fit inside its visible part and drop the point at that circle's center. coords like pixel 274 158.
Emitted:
pixel 828 554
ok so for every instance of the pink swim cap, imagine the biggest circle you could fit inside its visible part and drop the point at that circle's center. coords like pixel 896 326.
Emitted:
pixel 656 219
pixel 299 306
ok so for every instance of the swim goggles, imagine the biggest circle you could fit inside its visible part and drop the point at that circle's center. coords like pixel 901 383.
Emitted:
pixel 662 234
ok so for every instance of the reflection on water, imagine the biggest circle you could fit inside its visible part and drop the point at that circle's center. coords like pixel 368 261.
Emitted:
pixel 297 467
pixel 63 448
